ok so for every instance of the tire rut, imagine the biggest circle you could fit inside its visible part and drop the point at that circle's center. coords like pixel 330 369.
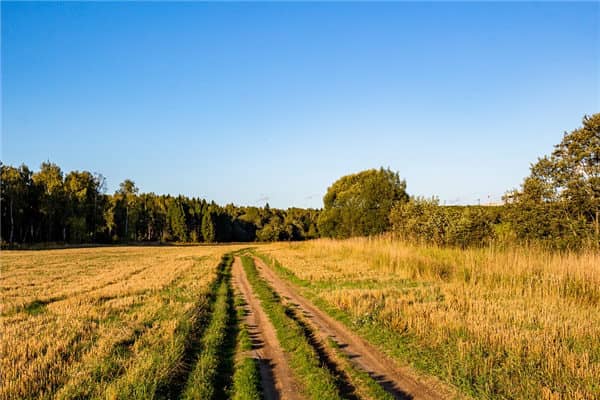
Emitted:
pixel 317 342
pixel 400 382
pixel 277 379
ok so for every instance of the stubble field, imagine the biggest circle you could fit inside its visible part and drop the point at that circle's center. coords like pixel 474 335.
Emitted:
pixel 497 323
pixel 355 319
pixel 107 322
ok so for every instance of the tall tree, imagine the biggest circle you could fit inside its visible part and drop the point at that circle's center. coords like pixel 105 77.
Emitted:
pixel 81 191
pixel 359 204
pixel 561 197
pixel 176 219
pixel 15 186
pixel 128 193
pixel 50 206
pixel 209 225
pixel 50 180
pixel 99 202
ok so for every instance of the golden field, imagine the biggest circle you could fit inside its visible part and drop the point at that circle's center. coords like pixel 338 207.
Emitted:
pixel 105 322
pixel 116 322
pixel 497 323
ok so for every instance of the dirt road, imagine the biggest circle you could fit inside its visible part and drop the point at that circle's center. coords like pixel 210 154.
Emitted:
pixel 399 381
pixel 276 376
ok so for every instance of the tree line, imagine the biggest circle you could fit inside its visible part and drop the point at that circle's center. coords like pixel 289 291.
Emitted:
pixel 558 205
pixel 51 206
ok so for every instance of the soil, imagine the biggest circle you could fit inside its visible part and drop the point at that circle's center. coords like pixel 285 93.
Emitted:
pixel 277 379
pixel 400 381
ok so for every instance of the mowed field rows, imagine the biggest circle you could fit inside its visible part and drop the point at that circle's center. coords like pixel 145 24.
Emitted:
pixel 354 319
pixel 103 322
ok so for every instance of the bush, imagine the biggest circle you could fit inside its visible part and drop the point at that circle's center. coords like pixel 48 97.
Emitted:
pixel 426 222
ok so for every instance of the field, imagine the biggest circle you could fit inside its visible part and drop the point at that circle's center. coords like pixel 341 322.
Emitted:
pixel 517 323
pixel 324 319
pixel 108 322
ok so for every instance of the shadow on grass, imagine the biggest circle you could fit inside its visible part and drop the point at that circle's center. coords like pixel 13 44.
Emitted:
pixel 342 381
pixel 173 386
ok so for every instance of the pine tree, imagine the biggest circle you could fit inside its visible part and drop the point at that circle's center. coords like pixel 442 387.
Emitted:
pixel 177 223
pixel 209 232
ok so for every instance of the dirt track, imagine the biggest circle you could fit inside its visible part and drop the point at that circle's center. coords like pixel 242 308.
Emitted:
pixel 399 381
pixel 276 376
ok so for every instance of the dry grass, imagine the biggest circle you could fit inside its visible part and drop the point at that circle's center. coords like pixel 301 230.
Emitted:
pixel 98 322
pixel 513 323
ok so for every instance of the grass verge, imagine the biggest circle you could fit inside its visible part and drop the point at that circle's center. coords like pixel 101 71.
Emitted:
pixel 170 347
pixel 210 376
pixel 144 358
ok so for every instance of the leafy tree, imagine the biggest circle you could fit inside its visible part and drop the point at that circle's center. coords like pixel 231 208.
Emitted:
pixel 271 232
pixel 243 231
pixel 194 218
pixel 360 204
pixel 81 191
pixel 50 181
pixel 15 187
pixel 301 223
pixel 127 194
pixel 471 227
pixel 50 206
pixel 421 220
pixel 425 221
pixel 560 200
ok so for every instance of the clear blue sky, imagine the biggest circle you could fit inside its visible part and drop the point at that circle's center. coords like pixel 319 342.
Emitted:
pixel 240 102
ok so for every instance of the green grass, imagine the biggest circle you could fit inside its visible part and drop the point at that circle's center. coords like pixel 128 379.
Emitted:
pixel 207 380
pixel 151 373
pixel 36 307
pixel 161 364
pixel 246 377
pixel 195 363
pixel 395 345
pixel 366 387
pixel 316 380
pixel 358 382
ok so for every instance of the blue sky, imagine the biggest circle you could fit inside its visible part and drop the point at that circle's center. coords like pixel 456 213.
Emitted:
pixel 241 102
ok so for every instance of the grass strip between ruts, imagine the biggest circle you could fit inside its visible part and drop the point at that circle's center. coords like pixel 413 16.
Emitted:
pixel 317 382
pixel 246 376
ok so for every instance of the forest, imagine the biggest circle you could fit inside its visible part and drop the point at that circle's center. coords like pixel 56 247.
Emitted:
pixel 51 206
pixel 557 206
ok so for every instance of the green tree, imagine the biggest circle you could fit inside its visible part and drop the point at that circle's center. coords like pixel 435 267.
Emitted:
pixel 560 201
pixel 15 186
pixel 470 227
pixel 176 219
pixel 360 204
pixel 272 232
pixel 50 181
pixel 209 225
pixel 421 220
pixel 45 206
pixel 127 194
pixel 224 224
pixel 81 191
